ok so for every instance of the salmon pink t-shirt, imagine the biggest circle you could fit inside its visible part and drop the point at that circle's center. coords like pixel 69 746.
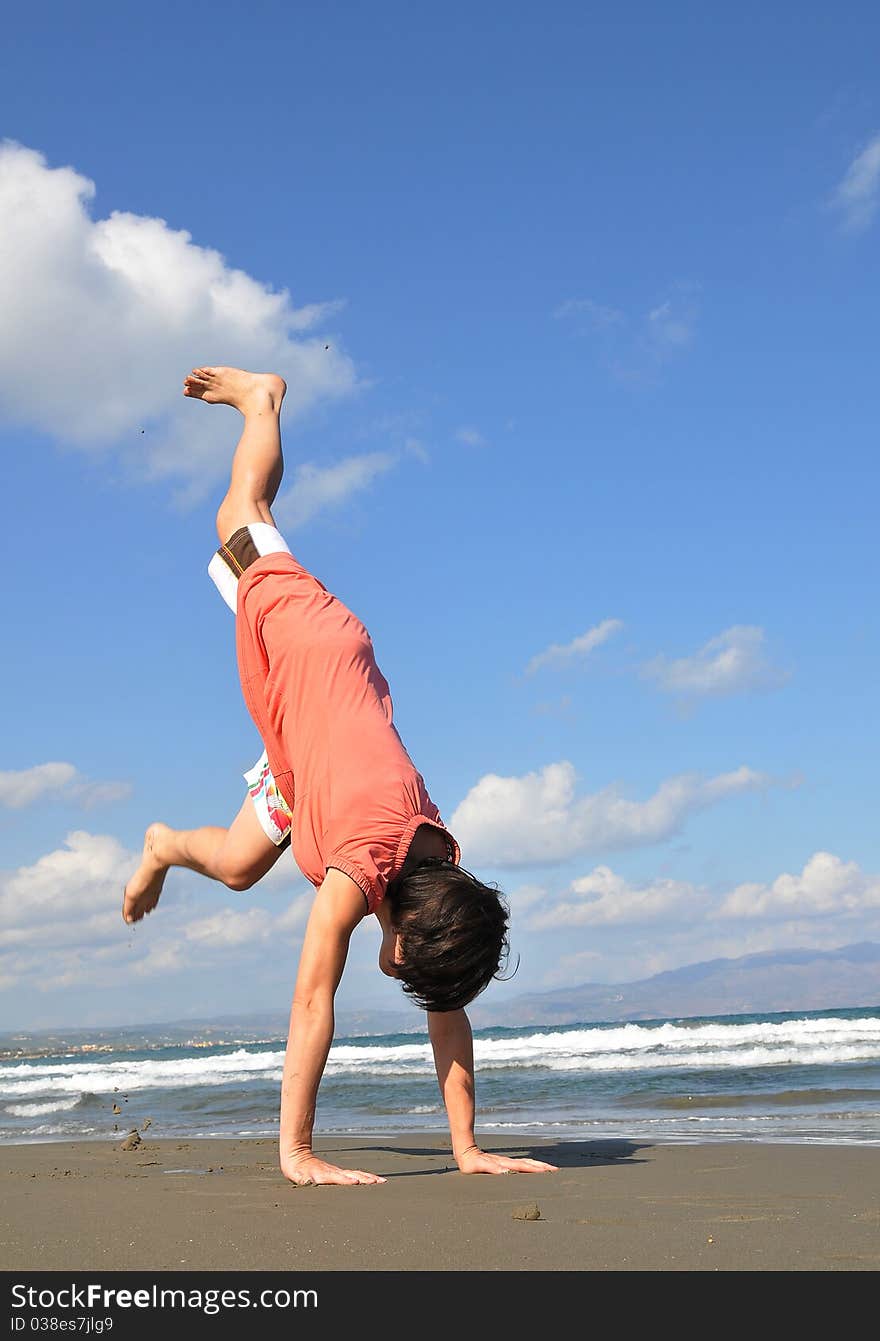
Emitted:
pixel 324 712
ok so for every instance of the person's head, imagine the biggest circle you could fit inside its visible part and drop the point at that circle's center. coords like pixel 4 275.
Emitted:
pixel 451 934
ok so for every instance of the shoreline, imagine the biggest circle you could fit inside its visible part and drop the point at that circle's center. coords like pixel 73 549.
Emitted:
pixel 221 1204
pixel 488 1140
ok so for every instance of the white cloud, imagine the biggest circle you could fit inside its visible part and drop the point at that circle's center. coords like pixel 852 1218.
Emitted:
pixel 599 316
pixel 536 818
pixel 572 968
pixel 231 928
pixel 637 929
pixel 415 447
pixel 731 663
pixel 635 346
pixel 313 314
pixel 856 197
pixel 92 794
pixel 670 326
pixel 61 921
pixel 69 883
pixel 121 308
pixel 316 488
pixel 22 787
pixel 562 654
pixel 626 956
pixel 471 437
pixel 295 915
pixel 526 896
pixel 604 898
pixel 827 885
pixel 159 960
pixel 561 707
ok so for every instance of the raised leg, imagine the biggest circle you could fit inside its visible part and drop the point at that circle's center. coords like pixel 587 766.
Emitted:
pixel 238 857
pixel 258 465
pixel 241 855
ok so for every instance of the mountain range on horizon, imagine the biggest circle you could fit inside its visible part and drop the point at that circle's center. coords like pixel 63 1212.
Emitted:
pixel 772 981
pixel 767 982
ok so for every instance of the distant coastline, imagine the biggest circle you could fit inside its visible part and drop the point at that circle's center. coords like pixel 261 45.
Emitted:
pixel 845 978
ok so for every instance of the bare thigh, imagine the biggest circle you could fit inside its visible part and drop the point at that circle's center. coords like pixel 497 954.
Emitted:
pixel 247 850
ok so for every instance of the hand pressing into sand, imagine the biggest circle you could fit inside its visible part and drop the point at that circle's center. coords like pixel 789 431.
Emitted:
pixel 306 1169
pixel 476 1160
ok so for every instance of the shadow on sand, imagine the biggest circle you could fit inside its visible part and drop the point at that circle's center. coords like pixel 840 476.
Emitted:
pixel 565 1154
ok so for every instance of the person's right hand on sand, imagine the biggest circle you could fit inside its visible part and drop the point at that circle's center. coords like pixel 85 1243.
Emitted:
pixel 305 1169
pixel 476 1160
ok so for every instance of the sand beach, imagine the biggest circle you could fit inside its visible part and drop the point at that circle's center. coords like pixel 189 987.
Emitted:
pixel 218 1205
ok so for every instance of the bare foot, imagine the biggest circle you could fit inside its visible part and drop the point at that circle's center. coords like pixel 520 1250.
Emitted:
pixel 143 889
pixel 233 386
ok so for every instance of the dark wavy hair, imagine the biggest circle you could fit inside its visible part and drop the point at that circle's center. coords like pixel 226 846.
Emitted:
pixel 453 933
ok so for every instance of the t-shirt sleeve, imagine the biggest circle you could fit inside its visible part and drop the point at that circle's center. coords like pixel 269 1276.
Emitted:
pixel 374 849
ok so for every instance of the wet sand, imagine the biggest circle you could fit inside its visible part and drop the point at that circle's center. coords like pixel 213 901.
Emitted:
pixel 222 1204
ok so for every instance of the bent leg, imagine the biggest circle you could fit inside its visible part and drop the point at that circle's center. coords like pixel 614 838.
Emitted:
pixel 238 857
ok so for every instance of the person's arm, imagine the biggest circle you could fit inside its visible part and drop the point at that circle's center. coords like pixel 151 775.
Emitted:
pixel 338 907
pixel 453 1045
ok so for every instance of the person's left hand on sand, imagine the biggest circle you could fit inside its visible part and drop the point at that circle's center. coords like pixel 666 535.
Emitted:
pixel 478 1161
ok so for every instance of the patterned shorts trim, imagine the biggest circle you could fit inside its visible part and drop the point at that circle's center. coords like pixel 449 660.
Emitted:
pixel 273 812
pixel 243 548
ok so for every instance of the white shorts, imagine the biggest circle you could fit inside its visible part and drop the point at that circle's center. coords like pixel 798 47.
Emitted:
pixel 246 545
pixel 273 812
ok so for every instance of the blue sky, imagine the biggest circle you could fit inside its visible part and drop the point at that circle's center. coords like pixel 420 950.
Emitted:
pixel 592 453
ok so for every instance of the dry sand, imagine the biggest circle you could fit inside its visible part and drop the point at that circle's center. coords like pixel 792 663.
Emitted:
pixel 212 1204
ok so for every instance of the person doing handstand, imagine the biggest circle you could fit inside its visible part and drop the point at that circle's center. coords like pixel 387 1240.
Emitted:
pixel 336 779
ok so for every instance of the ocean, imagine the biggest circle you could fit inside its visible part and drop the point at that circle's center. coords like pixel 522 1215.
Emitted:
pixel 805 1077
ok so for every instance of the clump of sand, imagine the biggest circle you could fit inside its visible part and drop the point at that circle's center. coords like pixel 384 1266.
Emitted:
pixel 531 1212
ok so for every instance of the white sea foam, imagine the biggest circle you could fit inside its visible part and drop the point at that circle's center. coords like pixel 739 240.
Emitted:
pixel 617 1048
pixel 71 1077
pixel 39 1110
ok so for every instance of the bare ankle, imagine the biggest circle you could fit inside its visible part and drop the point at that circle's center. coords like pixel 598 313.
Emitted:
pixel 259 402
pixel 154 844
